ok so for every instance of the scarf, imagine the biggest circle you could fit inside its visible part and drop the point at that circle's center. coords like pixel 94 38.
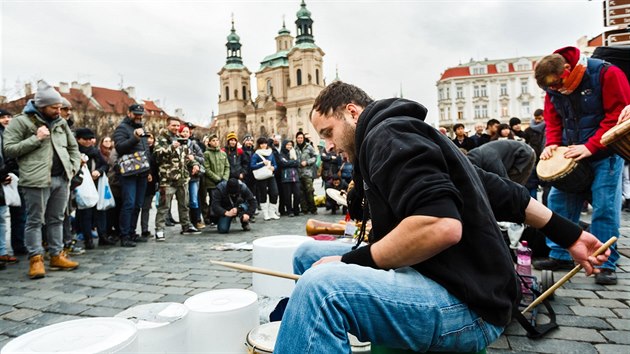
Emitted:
pixel 292 154
pixel 264 152
pixel 575 76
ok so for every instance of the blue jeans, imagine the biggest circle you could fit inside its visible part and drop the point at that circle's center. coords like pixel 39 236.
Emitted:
pixel 132 193
pixel 3 229
pixel 193 194
pixel 224 223
pixel 397 309
pixel 606 191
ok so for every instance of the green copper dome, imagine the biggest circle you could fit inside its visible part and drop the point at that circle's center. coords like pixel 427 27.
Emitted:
pixel 303 11
pixel 284 29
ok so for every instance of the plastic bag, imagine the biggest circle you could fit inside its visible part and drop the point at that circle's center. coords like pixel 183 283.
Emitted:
pixel 11 195
pixel 105 197
pixel 86 194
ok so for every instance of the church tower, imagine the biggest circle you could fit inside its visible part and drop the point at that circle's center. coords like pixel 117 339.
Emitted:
pixel 234 89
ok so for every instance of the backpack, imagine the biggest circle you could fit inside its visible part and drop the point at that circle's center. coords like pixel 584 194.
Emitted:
pixel 618 56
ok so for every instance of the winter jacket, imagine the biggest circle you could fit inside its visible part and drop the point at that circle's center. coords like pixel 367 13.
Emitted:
pixel 126 142
pixel 222 201
pixel 35 157
pixel 216 165
pixel 238 161
pixel 290 173
pixel 306 153
pixel 173 163
pixel 95 161
pixel 195 149
pixel 257 159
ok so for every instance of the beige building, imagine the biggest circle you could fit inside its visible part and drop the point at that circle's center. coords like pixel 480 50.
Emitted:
pixel 287 83
pixel 480 90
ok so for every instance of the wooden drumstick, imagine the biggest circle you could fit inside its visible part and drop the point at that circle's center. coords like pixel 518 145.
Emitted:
pixel 568 276
pixel 251 269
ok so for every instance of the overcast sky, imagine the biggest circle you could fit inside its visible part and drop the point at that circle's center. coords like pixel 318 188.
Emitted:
pixel 172 50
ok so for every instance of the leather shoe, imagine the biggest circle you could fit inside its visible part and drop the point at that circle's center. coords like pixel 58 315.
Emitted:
pixel 606 277
pixel 553 264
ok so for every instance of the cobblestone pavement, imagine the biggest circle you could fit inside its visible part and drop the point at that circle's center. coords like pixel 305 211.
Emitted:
pixel 592 318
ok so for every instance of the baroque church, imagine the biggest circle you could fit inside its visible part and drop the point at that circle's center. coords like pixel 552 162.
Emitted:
pixel 287 83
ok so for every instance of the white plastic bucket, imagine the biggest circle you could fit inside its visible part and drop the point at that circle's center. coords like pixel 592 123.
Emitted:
pixel 87 335
pixel 219 320
pixel 275 253
pixel 162 327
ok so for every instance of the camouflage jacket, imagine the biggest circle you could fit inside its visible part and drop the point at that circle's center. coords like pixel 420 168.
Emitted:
pixel 173 164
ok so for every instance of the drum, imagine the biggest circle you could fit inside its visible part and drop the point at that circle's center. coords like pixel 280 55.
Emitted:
pixel 262 340
pixel 618 139
pixel 87 335
pixel 162 327
pixel 220 319
pixel 565 174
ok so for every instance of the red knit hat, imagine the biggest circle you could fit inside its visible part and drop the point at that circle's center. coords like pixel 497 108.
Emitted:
pixel 571 54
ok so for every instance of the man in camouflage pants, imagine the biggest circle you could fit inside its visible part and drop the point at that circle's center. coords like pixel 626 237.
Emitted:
pixel 173 159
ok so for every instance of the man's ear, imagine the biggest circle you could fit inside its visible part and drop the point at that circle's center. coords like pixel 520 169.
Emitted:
pixel 354 110
pixel 567 66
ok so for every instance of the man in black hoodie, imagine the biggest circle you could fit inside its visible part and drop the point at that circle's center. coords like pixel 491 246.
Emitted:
pixel 436 274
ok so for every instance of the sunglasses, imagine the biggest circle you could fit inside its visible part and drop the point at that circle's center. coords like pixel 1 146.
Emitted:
pixel 557 84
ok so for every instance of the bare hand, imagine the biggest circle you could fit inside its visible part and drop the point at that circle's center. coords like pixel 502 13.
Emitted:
pixel 139 132
pixel 195 169
pixel 581 251
pixel 191 157
pixel 7 180
pixel 176 144
pixel 232 212
pixel 548 151
pixel 96 174
pixel 625 114
pixel 578 152
pixel 43 132
pixel 303 163
pixel 245 217
pixel 328 259
pixel 149 178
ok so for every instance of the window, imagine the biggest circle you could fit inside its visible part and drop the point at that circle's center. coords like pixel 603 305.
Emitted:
pixel 502 67
pixel 298 73
pixel 440 94
pixel 460 91
pixel 503 88
pixel 483 91
pixel 480 91
pixel 479 70
pixel 460 114
pixel 481 111
pixel 448 93
pixel 317 76
pixel 504 111
pixel 244 93
pixel 442 116
pixel 227 93
pixel 269 88
pixel 524 86
pixel 525 111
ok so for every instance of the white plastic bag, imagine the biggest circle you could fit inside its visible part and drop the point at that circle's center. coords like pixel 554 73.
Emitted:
pixel 105 197
pixel 11 195
pixel 86 194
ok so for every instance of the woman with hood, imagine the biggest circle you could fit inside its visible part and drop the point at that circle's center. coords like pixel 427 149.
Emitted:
pixel 290 178
pixel 263 158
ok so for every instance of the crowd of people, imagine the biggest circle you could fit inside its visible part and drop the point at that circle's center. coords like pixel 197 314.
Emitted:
pixel 213 184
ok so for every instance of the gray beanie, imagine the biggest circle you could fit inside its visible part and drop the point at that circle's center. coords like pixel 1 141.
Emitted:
pixel 46 95
pixel 65 103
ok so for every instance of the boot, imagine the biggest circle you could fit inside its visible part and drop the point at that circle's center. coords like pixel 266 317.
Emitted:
pixel 265 210
pixel 273 211
pixel 36 269
pixel 196 219
pixel 89 243
pixel 125 241
pixel 61 262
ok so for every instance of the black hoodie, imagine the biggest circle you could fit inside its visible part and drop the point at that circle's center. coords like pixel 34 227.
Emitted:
pixel 409 168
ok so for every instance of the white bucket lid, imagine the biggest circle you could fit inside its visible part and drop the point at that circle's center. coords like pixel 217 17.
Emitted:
pixel 87 335
pixel 223 300
pixel 154 315
pixel 281 241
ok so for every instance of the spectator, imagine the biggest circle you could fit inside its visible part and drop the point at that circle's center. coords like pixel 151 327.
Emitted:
pixel 5 118
pixel 478 133
pixel 130 137
pixel 152 188
pixel 248 151
pixel 232 199
pixel 48 157
pixel 461 140
pixel 515 126
pixel 345 171
pixel 217 170
pixel 491 128
pixel 331 162
pixel 238 162
pixel 340 185
pixel 507 158
pixel 263 158
pixel 535 137
pixel 193 184
pixel 503 132
pixel 290 177
pixel 308 158
pixel 274 145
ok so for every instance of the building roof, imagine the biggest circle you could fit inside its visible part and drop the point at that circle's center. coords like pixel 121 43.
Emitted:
pixel 463 70
pixel 275 60
pixel 152 109
pixel 112 101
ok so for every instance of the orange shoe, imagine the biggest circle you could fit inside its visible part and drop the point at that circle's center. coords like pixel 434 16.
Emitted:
pixel 36 269
pixel 62 262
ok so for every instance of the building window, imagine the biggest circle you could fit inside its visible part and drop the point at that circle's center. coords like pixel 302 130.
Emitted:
pixel 525 111
pixel 448 93
pixel 483 91
pixel 269 88
pixel 524 87
pixel 481 111
pixel 298 73
pixel 317 76
pixel 442 117
pixel 244 93
pixel 479 70
pixel 227 93
pixel 460 91
pixel 504 111
pixel 440 94
pixel 480 91
pixel 503 89
pixel 460 114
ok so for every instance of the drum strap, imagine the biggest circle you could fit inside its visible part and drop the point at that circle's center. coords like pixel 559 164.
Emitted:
pixel 533 331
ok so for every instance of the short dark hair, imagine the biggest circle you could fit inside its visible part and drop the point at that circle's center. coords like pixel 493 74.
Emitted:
pixel 262 140
pixel 550 65
pixel 492 122
pixel 458 125
pixel 538 112
pixel 335 96
pixel 170 119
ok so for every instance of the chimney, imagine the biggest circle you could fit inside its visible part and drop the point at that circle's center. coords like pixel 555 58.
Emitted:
pixel 131 92
pixel 64 87
pixel 86 88
pixel 3 99
pixel 179 112
pixel 28 89
pixel 75 85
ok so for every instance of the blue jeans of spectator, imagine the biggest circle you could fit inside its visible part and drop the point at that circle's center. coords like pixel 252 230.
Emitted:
pixel 45 206
pixel 606 193
pixel 3 230
pixel 224 223
pixel 85 221
pixel 393 308
pixel 193 193
pixel 132 193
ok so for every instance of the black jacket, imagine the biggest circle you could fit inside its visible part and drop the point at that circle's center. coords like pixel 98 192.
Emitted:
pixel 222 202
pixel 421 172
pixel 126 142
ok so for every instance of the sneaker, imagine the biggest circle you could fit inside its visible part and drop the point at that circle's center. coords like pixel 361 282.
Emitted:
pixel 8 259
pixel 107 240
pixel 212 225
pixel 36 268
pixel 146 234
pixel 62 262
pixel 159 236
pixel 191 230
pixel 200 225
pixel 246 227
pixel 125 241
pixel 553 264
pixel 136 238
pixel 606 277
pixel 73 249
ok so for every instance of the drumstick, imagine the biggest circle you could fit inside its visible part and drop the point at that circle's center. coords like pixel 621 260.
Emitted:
pixel 568 276
pixel 251 269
